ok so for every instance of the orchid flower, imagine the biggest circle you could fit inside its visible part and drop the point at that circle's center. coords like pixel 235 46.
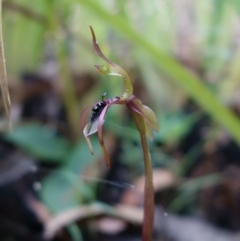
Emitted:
pixel 143 115
pixel 144 119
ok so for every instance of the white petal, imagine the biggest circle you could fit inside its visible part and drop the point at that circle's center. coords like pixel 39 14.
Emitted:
pixel 91 128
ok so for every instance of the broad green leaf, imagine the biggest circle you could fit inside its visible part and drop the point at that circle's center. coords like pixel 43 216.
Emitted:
pixel 58 192
pixel 62 190
pixel 80 158
pixel 39 141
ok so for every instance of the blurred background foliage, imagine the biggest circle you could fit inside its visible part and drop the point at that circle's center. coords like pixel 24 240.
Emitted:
pixel 183 58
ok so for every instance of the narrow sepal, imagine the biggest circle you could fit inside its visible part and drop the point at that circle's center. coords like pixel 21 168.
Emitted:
pixel 136 105
pixel 105 154
pixel 113 69
pixel 89 145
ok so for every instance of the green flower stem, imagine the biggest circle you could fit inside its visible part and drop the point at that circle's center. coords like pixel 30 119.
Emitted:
pixel 148 193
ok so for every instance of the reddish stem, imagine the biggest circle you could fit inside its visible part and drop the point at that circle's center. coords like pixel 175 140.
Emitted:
pixel 148 216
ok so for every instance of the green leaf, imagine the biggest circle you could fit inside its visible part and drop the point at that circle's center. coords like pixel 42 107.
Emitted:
pixel 236 5
pixel 58 193
pixel 62 190
pixel 188 191
pixel 75 232
pixel 80 157
pixel 39 141
pixel 175 127
pixel 15 26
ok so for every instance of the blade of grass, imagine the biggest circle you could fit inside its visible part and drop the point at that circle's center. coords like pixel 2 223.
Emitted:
pixel 190 83
pixel 3 75
pixel 68 95
pixel 236 5
pixel 75 232
pixel 231 82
